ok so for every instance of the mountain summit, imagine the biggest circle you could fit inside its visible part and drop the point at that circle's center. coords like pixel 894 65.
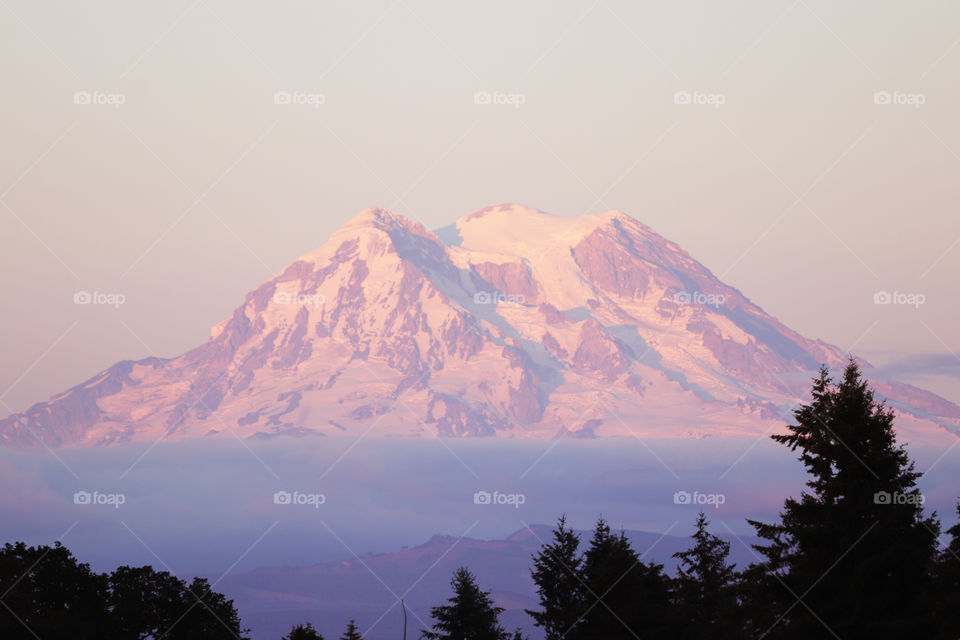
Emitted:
pixel 510 322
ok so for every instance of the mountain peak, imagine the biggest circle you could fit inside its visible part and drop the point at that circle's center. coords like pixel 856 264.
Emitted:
pixel 615 215
pixel 506 209
pixel 519 323
pixel 521 230
pixel 374 229
pixel 513 211
pixel 379 218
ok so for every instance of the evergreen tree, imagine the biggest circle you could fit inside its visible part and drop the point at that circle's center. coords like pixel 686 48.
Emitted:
pixel 351 633
pixel 304 632
pixel 704 591
pixel 946 595
pixel 625 598
pixel 471 614
pixel 557 572
pixel 856 547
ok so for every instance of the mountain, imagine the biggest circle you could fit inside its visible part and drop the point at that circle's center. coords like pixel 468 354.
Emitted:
pixel 271 600
pixel 511 322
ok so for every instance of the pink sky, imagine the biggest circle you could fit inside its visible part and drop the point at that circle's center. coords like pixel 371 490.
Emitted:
pixel 788 180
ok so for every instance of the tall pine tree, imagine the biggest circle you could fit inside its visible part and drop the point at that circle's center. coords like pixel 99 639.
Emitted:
pixel 704 590
pixel 625 598
pixel 351 633
pixel 945 608
pixel 557 572
pixel 471 614
pixel 852 556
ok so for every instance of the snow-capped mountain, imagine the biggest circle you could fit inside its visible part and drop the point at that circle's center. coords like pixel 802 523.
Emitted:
pixel 511 322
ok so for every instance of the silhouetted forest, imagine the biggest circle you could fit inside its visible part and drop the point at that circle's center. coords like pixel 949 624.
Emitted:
pixel 853 557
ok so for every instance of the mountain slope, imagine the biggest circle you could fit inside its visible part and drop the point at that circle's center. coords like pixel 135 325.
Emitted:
pixel 511 322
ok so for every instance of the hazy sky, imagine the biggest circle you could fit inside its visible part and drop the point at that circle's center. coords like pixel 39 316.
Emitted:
pixel 798 189
pixel 199 505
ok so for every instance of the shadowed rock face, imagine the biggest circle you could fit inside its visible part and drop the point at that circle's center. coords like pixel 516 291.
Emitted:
pixel 512 278
pixel 526 325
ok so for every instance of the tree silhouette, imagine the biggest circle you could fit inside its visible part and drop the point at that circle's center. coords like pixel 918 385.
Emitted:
pixel 351 633
pixel 46 593
pixel 626 599
pixel 208 614
pixel 144 603
pixel 557 572
pixel 303 632
pixel 852 556
pixel 946 600
pixel 704 592
pixel 471 614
